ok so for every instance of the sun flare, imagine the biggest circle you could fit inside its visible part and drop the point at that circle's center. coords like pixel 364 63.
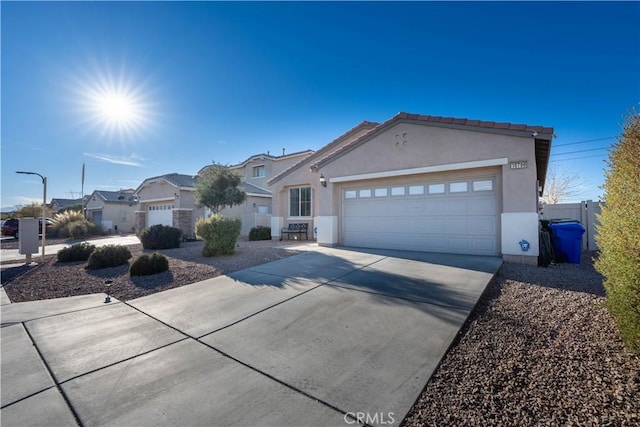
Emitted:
pixel 116 107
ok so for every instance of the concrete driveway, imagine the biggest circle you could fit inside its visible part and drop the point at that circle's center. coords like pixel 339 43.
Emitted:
pixel 329 337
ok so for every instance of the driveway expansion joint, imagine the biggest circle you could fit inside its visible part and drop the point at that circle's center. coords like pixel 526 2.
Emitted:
pixel 53 377
pixel 271 377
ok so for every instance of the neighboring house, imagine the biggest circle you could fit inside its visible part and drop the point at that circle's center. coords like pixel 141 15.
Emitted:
pixel 422 183
pixel 168 200
pixel 114 210
pixel 57 204
pixel 255 173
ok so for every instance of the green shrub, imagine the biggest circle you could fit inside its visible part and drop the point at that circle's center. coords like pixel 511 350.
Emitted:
pixel 617 234
pixel 77 252
pixel 160 237
pixel 260 233
pixel 77 229
pixel 220 234
pixel 108 256
pixel 149 264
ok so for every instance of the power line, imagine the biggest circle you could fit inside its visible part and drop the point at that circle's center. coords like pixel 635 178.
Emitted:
pixel 580 151
pixel 576 158
pixel 584 142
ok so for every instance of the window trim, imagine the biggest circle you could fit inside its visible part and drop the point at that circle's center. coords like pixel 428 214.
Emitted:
pixel 256 168
pixel 300 202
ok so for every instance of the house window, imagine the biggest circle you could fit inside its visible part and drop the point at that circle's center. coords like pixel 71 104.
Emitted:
pixel 485 185
pixel 123 215
pixel 300 201
pixel 416 190
pixel 436 188
pixel 258 172
pixel 458 187
pixel 397 191
pixel 365 194
pixel 350 194
pixel 380 192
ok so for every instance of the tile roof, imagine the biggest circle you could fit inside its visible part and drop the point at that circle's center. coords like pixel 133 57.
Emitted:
pixel 264 155
pixel 254 189
pixel 179 180
pixel 124 196
pixel 458 123
pixel 327 149
pixel 67 202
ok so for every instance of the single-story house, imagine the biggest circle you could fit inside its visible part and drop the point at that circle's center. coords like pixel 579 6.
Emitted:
pixel 114 210
pixel 168 200
pixel 255 173
pixel 422 183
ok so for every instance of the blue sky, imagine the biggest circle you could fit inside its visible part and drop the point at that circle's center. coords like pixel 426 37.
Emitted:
pixel 135 90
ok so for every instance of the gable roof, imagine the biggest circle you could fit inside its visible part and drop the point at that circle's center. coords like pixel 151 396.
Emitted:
pixel 176 179
pixel 327 149
pixel 262 156
pixel 542 137
pixel 254 189
pixel 122 196
pixel 62 203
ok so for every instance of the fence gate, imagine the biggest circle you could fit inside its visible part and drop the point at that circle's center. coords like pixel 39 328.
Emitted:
pixel 586 212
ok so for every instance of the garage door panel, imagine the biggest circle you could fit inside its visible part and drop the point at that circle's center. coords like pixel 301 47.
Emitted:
pixel 464 223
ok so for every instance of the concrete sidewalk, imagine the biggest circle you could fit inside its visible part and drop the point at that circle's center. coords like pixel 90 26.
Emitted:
pixel 315 339
pixel 14 255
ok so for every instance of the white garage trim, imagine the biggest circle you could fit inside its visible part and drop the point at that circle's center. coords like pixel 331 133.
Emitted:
pixel 426 169
pixel 160 214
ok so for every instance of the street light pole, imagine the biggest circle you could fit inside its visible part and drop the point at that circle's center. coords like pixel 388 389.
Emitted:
pixel 44 208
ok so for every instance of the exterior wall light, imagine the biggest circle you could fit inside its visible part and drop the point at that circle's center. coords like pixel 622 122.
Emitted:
pixel 323 180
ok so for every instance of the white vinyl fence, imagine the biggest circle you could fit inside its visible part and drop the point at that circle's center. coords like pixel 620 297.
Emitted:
pixel 586 212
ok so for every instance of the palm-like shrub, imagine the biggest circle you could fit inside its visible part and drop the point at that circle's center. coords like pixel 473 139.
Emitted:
pixel 220 234
pixel 73 224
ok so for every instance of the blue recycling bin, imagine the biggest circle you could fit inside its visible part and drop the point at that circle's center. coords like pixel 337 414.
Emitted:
pixel 567 240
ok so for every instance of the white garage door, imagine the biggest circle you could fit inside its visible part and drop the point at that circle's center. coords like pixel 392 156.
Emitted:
pixel 160 214
pixel 457 216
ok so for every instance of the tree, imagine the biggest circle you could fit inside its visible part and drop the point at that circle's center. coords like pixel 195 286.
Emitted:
pixel 217 188
pixel 561 186
pixel 619 231
pixel 32 210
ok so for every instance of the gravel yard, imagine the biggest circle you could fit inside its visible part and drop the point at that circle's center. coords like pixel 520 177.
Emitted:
pixel 186 265
pixel 539 350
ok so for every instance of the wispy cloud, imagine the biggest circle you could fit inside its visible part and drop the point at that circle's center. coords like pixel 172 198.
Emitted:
pixel 132 160
pixel 221 142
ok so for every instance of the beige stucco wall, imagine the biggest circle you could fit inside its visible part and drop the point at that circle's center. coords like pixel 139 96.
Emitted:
pixel 113 212
pixel 409 146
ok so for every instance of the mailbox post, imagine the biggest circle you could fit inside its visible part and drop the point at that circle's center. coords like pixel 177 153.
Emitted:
pixel 44 208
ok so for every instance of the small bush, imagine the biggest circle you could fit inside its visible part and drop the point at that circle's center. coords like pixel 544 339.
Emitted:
pixel 160 237
pixel 77 229
pixel 260 233
pixel 146 265
pixel 220 234
pixel 77 252
pixel 108 256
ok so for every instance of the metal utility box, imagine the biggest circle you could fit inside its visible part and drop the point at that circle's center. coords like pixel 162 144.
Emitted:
pixel 28 238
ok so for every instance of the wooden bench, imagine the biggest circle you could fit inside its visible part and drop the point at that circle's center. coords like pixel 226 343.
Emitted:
pixel 299 229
